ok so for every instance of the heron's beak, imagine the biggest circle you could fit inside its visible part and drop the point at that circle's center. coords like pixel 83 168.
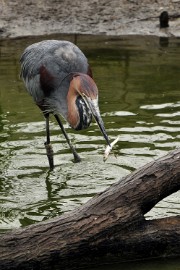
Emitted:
pixel 93 105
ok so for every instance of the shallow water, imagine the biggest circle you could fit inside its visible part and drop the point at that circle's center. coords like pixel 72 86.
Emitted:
pixel 139 83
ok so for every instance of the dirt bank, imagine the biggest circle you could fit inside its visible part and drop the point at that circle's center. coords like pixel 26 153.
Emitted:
pixel 116 17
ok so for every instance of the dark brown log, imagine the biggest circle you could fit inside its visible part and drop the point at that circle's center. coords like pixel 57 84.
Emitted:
pixel 110 227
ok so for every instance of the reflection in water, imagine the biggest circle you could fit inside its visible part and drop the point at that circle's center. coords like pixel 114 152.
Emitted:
pixel 138 80
pixel 143 265
pixel 163 41
pixel 1 120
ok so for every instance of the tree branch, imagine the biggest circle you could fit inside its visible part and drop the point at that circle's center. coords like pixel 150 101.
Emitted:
pixel 109 227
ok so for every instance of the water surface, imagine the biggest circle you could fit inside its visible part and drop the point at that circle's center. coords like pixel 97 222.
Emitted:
pixel 139 83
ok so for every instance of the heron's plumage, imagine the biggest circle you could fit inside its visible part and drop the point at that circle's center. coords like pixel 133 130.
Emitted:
pixel 58 77
pixel 44 69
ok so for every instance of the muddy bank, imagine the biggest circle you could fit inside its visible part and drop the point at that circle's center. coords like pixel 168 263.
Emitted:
pixel 117 17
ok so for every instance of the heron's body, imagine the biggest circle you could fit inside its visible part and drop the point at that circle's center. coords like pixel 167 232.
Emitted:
pixel 45 66
pixel 58 77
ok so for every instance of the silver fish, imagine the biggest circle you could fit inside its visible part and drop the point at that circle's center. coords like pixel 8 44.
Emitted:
pixel 109 148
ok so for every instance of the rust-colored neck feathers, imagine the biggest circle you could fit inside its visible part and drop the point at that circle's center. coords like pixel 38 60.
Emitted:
pixel 80 85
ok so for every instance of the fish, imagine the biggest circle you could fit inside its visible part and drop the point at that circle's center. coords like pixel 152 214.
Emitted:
pixel 109 148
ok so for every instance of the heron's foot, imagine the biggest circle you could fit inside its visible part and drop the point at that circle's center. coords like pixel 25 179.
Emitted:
pixel 76 157
pixel 50 153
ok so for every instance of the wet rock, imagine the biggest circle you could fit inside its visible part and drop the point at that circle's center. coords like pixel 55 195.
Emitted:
pixel 2 30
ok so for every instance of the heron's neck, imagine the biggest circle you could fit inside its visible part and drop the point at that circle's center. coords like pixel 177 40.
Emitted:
pixel 79 114
pixel 72 114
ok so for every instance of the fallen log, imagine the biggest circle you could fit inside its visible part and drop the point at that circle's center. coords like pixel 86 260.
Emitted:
pixel 110 227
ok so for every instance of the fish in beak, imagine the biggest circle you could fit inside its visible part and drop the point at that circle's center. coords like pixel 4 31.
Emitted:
pixel 85 86
pixel 93 105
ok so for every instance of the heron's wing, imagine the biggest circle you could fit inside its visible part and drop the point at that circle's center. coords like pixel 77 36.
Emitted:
pixel 44 66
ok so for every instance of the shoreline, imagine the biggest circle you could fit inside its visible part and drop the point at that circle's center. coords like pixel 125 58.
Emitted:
pixel 120 18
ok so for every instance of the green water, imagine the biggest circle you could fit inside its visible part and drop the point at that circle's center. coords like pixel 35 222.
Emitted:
pixel 139 85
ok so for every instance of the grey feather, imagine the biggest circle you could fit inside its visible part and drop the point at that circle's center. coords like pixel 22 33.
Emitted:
pixel 59 58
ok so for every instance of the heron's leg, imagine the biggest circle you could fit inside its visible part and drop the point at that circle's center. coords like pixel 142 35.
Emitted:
pixel 76 156
pixel 48 146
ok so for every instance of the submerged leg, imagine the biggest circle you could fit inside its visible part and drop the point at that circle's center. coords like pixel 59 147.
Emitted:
pixel 48 146
pixel 76 156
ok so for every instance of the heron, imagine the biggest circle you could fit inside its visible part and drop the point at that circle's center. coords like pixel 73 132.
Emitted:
pixel 57 75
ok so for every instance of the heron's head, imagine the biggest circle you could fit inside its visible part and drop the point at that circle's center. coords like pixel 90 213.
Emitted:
pixel 82 102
